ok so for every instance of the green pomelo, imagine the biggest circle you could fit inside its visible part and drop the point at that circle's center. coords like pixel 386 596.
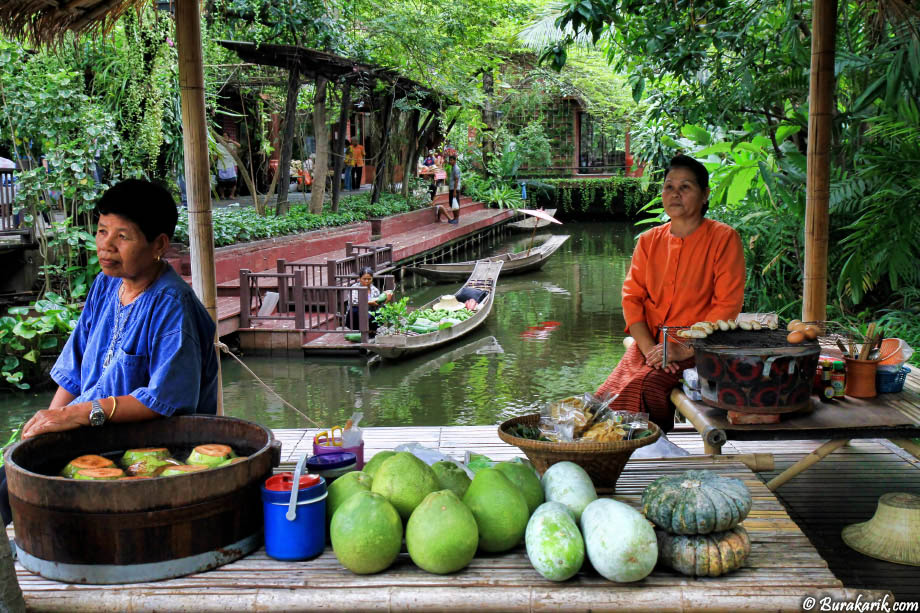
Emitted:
pixel 499 508
pixel 133 456
pixel 374 463
pixel 568 483
pixel 404 480
pixel 99 474
pixel 524 477
pixel 210 455
pixel 452 477
pixel 85 462
pixel 344 488
pixel 620 541
pixel 554 543
pixel 145 467
pixel 442 535
pixel 366 533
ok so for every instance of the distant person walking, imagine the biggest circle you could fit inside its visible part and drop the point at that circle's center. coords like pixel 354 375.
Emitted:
pixel 357 169
pixel 453 186
pixel 349 162
pixel 226 172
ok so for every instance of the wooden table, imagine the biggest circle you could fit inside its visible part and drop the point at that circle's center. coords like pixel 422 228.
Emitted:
pixel 782 570
pixel 891 416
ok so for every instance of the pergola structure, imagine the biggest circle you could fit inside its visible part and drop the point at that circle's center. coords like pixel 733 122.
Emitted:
pixel 314 64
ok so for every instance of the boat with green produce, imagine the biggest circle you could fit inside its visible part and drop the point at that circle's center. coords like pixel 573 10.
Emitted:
pixel 430 327
pixel 514 263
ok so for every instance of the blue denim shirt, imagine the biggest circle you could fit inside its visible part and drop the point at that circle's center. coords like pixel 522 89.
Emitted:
pixel 164 354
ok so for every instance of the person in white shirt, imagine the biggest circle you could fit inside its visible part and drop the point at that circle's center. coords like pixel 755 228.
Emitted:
pixel 375 299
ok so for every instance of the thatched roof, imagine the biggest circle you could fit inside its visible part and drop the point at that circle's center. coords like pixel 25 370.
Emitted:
pixel 47 21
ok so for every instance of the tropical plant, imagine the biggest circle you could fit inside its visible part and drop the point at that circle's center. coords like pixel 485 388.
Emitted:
pixel 392 315
pixel 25 338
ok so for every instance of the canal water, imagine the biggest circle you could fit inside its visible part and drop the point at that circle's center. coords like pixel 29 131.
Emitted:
pixel 551 334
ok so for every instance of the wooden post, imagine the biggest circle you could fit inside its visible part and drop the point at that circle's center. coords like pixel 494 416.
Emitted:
pixel 338 156
pixel 299 316
pixel 197 171
pixel 820 124
pixel 384 145
pixel 245 298
pixel 283 287
pixel 287 140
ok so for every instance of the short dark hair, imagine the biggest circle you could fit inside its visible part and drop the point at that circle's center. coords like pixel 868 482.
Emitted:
pixel 366 270
pixel 148 204
pixel 699 171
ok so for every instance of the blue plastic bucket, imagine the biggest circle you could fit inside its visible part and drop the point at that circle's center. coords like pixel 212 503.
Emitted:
pixel 295 519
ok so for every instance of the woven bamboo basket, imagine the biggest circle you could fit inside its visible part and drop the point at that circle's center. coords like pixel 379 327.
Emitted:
pixel 602 461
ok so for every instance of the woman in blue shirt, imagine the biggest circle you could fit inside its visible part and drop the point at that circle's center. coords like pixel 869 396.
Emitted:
pixel 144 345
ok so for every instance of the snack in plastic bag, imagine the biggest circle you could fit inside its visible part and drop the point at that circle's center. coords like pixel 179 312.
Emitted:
pixel 352 435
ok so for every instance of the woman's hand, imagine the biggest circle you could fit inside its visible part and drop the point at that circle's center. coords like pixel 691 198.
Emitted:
pixel 676 353
pixel 57 419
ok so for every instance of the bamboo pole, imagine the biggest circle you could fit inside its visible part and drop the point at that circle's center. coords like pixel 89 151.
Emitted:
pixel 908 445
pixel 820 124
pixel 713 438
pixel 805 463
pixel 197 173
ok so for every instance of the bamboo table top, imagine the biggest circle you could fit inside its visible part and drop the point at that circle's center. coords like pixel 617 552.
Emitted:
pixel 783 567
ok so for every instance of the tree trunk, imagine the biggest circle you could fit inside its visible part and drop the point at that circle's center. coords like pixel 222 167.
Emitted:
pixel 321 132
pixel 411 165
pixel 287 140
pixel 338 155
pixel 488 141
pixel 384 146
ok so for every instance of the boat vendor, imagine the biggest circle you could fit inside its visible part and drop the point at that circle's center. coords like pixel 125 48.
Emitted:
pixel 688 270
pixel 375 299
pixel 143 347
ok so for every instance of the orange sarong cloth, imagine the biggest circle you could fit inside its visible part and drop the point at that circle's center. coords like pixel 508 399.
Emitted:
pixel 675 282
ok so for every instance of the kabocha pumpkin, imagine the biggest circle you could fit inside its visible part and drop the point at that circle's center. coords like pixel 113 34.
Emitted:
pixel 704 555
pixel 696 502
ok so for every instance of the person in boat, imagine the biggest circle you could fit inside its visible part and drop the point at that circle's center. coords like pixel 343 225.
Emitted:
pixel 688 270
pixel 143 347
pixel 375 299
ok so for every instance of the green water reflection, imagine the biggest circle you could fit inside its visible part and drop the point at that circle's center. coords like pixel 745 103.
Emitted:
pixel 479 380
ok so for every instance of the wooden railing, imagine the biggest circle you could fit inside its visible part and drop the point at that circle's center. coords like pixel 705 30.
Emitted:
pixel 376 257
pixel 7 195
pixel 309 308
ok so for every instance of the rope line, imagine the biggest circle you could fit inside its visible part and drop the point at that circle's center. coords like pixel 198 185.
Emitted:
pixel 225 349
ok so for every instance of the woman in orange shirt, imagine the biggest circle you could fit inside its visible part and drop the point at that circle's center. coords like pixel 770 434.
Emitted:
pixel 688 270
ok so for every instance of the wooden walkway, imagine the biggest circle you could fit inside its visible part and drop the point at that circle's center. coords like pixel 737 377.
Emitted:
pixel 785 566
pixel 406 244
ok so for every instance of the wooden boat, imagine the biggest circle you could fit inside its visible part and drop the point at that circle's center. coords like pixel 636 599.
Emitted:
pixel 531 222
pixel 400 346
pixel 514 263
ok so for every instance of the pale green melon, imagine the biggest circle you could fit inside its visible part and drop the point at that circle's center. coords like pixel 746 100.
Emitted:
pixel 620 542
pixel 441 535
pixel 554 544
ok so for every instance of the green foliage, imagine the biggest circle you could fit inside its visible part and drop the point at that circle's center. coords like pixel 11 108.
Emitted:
pixel 14 437
pixel 392 315
pixel 234 224
pixel 25 338
pixel 632 192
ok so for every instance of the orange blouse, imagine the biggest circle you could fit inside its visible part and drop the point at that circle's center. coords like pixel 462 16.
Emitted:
pixel 680 281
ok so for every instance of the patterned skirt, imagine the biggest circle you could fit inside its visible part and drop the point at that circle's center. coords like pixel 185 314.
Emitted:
pixel 642 388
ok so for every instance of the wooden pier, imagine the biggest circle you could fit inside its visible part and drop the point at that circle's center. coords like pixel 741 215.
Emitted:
pixel 786 564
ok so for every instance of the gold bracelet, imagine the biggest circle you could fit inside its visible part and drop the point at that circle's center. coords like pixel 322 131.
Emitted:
pixel 114 407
